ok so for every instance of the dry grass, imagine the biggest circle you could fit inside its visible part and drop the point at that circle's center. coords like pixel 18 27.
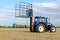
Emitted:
pixel 25 34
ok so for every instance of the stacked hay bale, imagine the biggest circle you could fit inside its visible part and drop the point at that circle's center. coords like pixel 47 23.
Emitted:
pixel 20 26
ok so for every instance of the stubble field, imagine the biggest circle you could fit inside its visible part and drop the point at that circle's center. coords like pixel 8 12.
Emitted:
pixel 25 34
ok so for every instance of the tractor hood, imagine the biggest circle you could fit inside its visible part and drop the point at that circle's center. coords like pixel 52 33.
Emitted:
pixel 48 23
pixel 35 23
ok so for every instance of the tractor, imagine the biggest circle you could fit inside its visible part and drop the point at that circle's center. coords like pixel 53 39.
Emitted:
pixel 37 23
pixel 41 24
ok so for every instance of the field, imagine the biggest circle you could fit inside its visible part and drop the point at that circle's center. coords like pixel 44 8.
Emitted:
pixel 25 34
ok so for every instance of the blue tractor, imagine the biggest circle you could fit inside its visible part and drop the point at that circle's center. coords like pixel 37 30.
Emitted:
pixel 37 24
pixel 41 24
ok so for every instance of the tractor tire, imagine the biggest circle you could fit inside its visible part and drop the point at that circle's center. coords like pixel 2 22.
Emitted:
pixel 40 28
pixel 52 29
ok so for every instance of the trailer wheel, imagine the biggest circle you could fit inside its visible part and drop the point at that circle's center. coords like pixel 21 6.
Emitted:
pixel 52 29
pixel 40 28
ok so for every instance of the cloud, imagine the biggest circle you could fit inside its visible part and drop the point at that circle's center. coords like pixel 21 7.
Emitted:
pixel 7 13
pixel 2 19
pixel 48 5
pixel 50 9
pixel 8 7
pixel 8 18
pixel 46 8
pixel 2 15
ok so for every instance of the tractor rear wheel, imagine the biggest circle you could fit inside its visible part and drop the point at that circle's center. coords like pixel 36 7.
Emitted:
pixel 40 28
pixel 52 29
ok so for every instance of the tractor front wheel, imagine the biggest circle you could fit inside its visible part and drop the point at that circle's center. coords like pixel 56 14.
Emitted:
pixel 52 29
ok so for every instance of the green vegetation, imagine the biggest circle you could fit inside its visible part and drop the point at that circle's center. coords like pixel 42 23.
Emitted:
pixel 5 26
pixel 20 26
pixel 13 27
pixel 58 27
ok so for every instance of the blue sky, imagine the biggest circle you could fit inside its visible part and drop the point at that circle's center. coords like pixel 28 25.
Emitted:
pixel 47 8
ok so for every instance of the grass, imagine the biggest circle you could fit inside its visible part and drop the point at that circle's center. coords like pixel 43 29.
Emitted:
pixel 12 27
pixel 5 27
pixel 18 27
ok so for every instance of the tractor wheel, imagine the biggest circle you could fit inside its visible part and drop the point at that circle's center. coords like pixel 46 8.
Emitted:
pixel 40 28
pixel 52 29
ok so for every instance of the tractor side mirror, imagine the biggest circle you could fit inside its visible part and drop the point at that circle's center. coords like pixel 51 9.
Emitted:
pixel 48 18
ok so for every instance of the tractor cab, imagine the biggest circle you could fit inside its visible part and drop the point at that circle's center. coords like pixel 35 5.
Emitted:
pixel 38 20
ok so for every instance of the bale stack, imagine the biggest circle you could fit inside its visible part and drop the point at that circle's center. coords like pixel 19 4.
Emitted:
pixel 20 26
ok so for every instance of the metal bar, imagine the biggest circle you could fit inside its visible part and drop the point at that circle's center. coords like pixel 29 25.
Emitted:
pixel 15 10
pixel 25 3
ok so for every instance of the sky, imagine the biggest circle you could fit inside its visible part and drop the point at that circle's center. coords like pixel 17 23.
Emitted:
pixel 46 8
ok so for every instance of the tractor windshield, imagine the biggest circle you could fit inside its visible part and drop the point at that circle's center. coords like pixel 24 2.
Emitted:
pixel 40 19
